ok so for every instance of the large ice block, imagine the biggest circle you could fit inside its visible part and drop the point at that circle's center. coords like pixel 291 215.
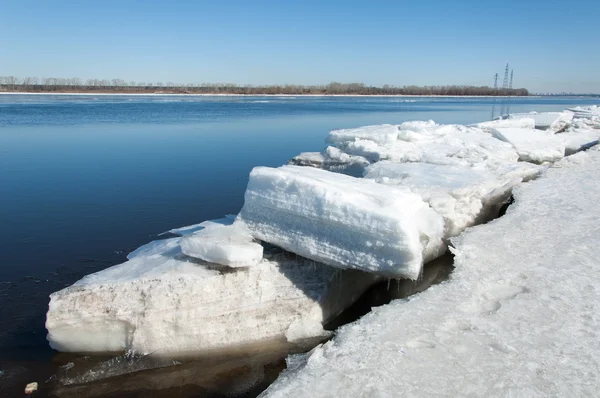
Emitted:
pixel 533 145
pixel 554 121
pixel 463 196
pixel 342 221
pixel 230 245
pixel 381 134
pixel 162 302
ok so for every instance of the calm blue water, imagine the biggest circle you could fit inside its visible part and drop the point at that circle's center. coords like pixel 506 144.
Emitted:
pixel 86 179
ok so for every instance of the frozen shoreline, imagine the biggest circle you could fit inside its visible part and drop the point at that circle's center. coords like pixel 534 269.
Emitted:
pixel 519 316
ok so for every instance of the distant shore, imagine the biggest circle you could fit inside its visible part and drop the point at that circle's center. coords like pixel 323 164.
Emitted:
pixel 253 95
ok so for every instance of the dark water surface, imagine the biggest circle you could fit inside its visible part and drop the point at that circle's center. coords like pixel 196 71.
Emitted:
pixel 86 179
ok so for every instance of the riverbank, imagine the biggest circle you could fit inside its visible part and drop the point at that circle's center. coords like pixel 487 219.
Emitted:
pixel 216 94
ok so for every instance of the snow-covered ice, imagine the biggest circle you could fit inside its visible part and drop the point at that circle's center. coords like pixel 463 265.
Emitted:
pixel 554 121
pixel 230 245
pixel 463 196
pixel 342 221
pixel 165 303
pixel 332 159
pixel 519 317
pixel 578 139
pixel 381 134
pixel 535 146
pixel 524 123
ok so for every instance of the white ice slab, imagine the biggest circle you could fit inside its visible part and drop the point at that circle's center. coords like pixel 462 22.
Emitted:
pixel 533 145
pixel 190 229
pixel 230 245
pixel 524 122
pixel 463 196
pixel 381 134
pixel 332 159
pixel 518 318
pixel 169 304
pixel 578 139
pixel 554 121
pixel 342 221
pixel 428 142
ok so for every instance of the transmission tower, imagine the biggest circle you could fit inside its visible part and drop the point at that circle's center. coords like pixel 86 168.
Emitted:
pixel 496 81
pixel 505 82
pixel 511 79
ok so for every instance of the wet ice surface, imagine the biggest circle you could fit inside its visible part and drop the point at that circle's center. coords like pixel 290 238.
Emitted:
pixel 519 316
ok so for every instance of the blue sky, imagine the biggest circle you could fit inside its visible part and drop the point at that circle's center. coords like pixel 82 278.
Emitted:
pixel 552 45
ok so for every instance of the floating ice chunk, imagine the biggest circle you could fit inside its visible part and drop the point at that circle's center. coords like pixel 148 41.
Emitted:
pixel 342 221
pixel 554 121
pixel 533 145
pixel 169 304
pixel 381 134
pixel 190 229
pixel 463 196
pixel 230 245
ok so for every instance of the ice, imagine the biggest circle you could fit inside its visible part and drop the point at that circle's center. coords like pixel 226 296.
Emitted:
pixel 332 159
pixel 463 196
pixel 520 316
pixel 230 245
pixel 342 221
pixel 380 134
pixel 428 142
pixel 554 121
pixel 524 122
pixel 190 229
pixel 533 145
pixel 167 303
pixel 578 139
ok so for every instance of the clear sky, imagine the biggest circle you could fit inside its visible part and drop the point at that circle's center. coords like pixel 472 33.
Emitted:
pixel 553 46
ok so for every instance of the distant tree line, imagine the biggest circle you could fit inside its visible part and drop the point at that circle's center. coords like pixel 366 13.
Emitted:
pixel 76 85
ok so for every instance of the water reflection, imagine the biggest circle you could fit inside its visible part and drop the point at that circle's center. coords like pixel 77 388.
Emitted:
pixel 503 103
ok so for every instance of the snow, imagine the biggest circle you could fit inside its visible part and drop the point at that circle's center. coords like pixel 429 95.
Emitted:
pixel 533 145
pixel 342 221
pixel 554 121
pixel 166 303
pixel 230 245
pixel 519 317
